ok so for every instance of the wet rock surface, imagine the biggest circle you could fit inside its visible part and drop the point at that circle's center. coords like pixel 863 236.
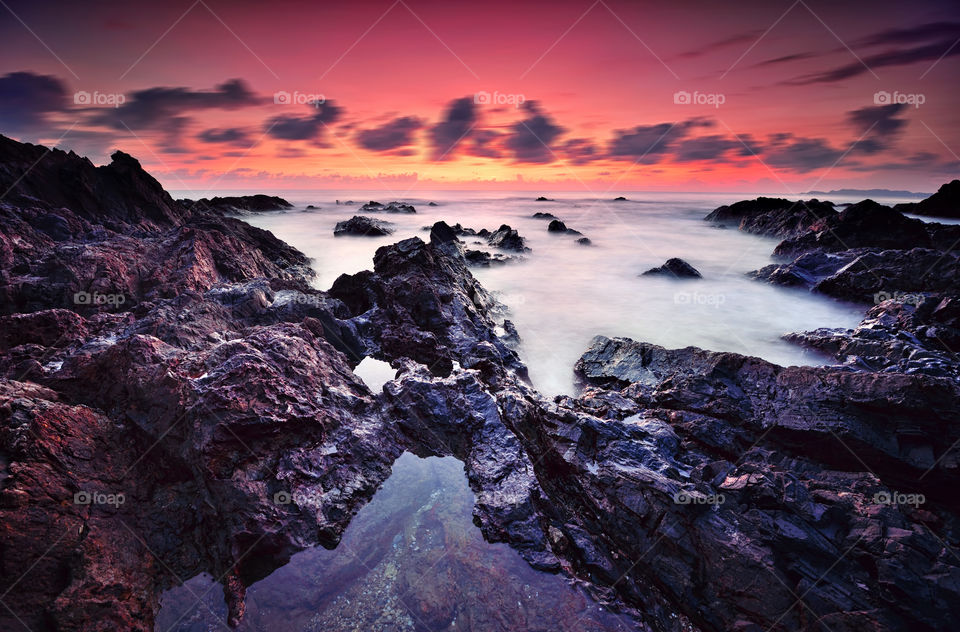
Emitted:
pixel 361 225
pixel 774 217
pixel 694 490
pixel 675 268
pixel 390 207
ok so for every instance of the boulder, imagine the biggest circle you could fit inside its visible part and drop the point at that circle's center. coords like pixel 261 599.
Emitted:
pixel 676 268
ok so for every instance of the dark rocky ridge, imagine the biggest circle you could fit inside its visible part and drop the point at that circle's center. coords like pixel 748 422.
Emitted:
pixel 944 203
pixel 202 405
pixel 240 205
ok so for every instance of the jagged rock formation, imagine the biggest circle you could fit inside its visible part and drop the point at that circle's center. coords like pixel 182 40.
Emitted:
pixel 944 203
pixel 390 207
pixel 241 205
pixel 221 404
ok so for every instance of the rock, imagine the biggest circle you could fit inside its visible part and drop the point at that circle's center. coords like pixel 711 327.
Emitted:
pixel 584 241
pixel 893 272
pixel 241 204
pixel 774 217
pixel 677 268
pixel 391 207
pixel 508 239
pixel 484 259
pixel 543 199
pixel 543 216
pixel 944 203
pixel 620 199
pixel 361 225
pixel 432 204
pixel 311 207
pixel 869 225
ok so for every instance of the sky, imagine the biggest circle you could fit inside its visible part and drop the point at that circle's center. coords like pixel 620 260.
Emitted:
pixel 593 96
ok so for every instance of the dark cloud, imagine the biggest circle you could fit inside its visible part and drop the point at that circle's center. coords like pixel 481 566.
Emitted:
pixel 785 59
pixel 484 144
pixel 531 139
pixel 929 52
pixel 391 135
pixel 913 34
pixel 580 151
pixel 741 38
pixel 287 127
pixel 800 154
pixel 229 135
pixel 458 122
pixel 647 144
pixel 26 99
pixel 706 148
pixel 152 108
pixel 878 126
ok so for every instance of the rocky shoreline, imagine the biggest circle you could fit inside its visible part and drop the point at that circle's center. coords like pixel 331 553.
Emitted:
pixel 177 399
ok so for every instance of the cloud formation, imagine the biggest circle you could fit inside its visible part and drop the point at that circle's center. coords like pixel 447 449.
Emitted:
pixel 457 123
pixel 391 135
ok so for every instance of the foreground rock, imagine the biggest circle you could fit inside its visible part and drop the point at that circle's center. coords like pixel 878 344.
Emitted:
pixel 944 203
pixel 676 268
pixel 390 207
pixel 361 225
pixel 556 226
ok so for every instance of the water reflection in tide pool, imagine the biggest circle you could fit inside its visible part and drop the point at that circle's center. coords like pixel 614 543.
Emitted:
pixel 412 559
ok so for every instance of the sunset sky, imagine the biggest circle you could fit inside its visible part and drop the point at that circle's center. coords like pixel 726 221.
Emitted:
pixel 579 96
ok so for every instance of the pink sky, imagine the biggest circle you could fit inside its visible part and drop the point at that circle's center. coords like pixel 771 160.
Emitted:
pixel 787 91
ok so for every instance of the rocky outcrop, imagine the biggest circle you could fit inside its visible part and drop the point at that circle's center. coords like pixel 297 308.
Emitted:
pixel 774 217
pixel 390 207
pixel 556 226
pixel 215 425
pixel 507 238
pixel 240 205
pixel 944 203
pixel 904 333
pixel 361 225
pixel 540 215
pixel 676 268
pixel 869 225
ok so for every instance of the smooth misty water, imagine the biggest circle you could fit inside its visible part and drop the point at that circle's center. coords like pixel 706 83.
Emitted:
pixel 563 294
pixel 411 559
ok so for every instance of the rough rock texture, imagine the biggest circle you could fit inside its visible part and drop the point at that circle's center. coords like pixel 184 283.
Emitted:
pixel 390 207
pixel 774 217
pixel 869 225
pixel 676 268
pixel 692 490
pixel 240 204
pixel 507 238
pixel 944 203
pixel 361 225
pixel 908 333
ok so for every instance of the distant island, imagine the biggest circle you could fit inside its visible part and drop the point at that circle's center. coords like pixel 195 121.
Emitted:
pixel 870 193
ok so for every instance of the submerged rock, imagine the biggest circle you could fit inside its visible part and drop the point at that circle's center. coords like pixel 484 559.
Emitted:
pixel 361 225
pixel 677 268
pixel 544 216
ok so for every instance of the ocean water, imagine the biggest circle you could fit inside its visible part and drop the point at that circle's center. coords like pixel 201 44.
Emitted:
pixel 563 294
